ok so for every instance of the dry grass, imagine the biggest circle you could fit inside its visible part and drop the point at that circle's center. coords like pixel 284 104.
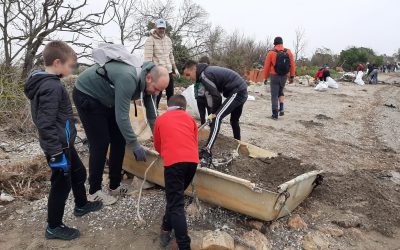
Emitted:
pixel 25 179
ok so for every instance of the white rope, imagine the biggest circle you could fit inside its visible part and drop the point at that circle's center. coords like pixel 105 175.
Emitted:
pixel 142 222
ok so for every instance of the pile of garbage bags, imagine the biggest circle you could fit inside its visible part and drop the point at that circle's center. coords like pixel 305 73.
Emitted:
pixel 324 85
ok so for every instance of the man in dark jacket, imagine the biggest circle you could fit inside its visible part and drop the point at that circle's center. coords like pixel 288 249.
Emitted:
pixel 52 115
pixel 217 80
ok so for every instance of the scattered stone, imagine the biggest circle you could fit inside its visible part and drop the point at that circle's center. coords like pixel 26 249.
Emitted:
pixel 332 231
pixel 315 241
pixel 218 240
pixel 255 240
pixel 6 197
pixel 193 211
pixel 296 222
pixel 348 221
pixel 255 224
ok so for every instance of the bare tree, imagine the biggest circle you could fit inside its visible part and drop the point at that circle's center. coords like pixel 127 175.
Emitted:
pixel 26 24
pixel 299 43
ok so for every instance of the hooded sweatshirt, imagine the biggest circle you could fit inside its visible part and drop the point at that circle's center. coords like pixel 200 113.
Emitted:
pixel 127 87
pixel 159 50
pixel 51 111
pixel 217 80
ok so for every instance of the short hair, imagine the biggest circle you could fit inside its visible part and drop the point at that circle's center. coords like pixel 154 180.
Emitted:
pixel 177 100
pixel 204 59
pixel 189 64
pixel 57 50
pixel 156 73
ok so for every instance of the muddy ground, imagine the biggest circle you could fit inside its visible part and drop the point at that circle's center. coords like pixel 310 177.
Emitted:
pixel 352 133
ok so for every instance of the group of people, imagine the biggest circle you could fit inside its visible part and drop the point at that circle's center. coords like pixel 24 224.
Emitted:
pixel 387 68
pixel 103 95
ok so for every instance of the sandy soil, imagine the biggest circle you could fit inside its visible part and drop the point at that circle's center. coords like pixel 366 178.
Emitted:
pixel 349 132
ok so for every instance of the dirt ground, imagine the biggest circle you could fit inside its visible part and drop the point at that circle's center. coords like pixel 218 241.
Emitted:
pixel 352 133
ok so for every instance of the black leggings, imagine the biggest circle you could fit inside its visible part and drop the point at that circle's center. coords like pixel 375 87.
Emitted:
pixel 61 185
pixel 232 105
pixel 169 90
pixel 177 178
pixel 102 131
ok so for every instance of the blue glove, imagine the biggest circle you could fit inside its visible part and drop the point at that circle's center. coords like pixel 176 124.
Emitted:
pixel 59 161
pixel 140 154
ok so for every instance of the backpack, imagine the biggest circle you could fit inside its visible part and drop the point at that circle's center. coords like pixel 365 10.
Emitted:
pixel 282 64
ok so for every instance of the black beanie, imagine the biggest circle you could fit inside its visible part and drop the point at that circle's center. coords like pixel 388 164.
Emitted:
pixel 278 40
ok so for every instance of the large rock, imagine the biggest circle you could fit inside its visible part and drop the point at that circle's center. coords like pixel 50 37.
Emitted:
pixel 218 240
pixel 315 241
pixel 197 239
pixel 255 240
pixel 332 231
pixel 296 222
pixel 137 183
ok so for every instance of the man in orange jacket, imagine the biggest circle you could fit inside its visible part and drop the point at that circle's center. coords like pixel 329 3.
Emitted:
pixel 279 64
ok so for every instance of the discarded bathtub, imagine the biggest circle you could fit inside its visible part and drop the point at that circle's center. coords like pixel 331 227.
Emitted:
pixel 228 191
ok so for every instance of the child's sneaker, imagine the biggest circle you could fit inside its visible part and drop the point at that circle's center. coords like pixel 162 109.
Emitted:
pixel 102 196
pixel 165 238
pixel 122 190
pixel 90 206
pixel 62 232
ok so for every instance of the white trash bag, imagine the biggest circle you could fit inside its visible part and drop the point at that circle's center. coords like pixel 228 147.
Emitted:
pixel 359 79
pixel 331 83
pixel 188 93
pixel 321 86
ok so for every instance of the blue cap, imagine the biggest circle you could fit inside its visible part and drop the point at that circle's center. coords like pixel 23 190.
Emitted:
pixel 160 23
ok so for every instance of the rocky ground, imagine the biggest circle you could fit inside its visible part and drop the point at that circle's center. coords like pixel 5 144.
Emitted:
pixel 351 133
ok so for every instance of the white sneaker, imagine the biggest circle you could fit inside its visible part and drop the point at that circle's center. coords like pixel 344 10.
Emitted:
pixel 122 190
pixel 102 196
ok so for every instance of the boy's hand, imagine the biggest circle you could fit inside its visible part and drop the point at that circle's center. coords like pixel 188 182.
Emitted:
pixel 140 154
pixel 59 161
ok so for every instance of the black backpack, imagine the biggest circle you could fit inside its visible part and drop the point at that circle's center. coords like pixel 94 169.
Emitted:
pixel 282 64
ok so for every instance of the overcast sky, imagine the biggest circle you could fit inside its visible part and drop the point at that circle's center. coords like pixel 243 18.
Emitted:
pixel 334 24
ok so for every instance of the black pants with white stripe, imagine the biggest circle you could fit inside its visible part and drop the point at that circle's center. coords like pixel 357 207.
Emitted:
pixel 232 105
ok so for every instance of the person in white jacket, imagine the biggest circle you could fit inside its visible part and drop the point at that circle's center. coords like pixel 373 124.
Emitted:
pixel 158 49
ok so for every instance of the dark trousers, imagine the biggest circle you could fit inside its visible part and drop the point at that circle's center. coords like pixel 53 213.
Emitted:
pixel 232 105
pixel 202 107
pixel 169 90
pixel 177 178
pixel 277 86
pixel 102 131
pixel 61 185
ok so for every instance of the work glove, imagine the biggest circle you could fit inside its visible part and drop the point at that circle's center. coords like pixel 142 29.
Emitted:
pixel 211 117
pixel 205 157
pixel 177 73
pixel 140 154
pixel 59 161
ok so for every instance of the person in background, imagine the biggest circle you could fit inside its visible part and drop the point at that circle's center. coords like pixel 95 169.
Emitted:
pixel 175 138
pixel 322 73
pixel 199 93
pixel 373 77
pixel 158 49
pixel 52 114
pixel 279 64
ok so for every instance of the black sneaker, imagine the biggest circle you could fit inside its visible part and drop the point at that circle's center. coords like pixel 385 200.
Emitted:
pixel 274 117
pixel 62 232
pixel 281 113
pixel 165 238
pixel 90 206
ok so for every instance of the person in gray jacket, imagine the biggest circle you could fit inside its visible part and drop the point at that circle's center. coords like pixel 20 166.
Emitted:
pixel 217 80
pixel 103 96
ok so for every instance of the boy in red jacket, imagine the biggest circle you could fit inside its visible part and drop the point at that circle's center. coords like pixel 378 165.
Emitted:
pixel 175 138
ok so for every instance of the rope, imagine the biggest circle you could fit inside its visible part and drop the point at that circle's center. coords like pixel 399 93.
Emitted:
pixel 142 222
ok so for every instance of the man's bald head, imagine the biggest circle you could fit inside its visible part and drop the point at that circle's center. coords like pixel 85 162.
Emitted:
pixel 157 80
